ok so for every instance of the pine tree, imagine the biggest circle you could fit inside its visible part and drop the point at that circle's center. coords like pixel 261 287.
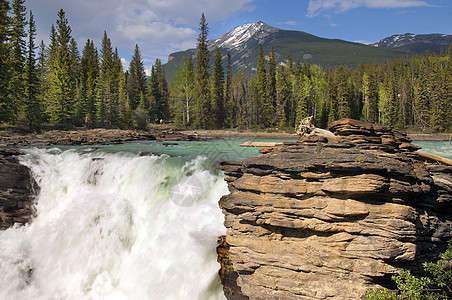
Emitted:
pixel 158 89
pixel 51 50
pixel 136 82
pixel 203 105
pixel 33 107
pixel 262 107
pixel 218 89
pixel 271 86
pixel 42 62
pixel 6 104
pixel 116 75
pixel 105 81
pixel 303 94
pixel 317 95
pixel 283 91
pixel 89 66
pixel 124 111
pixel 78 102
pixel 386 102
pixel 156 97
pixel 439 98
pixel 17 56
pixel 228 96
pixel 61 81
pixel 292 101
pixel 342 93
pixel 421 105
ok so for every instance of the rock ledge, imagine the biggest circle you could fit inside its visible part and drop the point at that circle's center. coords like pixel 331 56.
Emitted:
pixel 331 216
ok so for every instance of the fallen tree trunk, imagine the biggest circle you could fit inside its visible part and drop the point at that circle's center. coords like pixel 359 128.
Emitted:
pixel 434 158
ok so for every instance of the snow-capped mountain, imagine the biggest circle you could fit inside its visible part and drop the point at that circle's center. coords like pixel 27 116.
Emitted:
pixel 243 41
pixel 241 34
pixel 416 43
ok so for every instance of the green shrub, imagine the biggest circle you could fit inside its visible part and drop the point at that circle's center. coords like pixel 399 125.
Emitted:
pixel 437 285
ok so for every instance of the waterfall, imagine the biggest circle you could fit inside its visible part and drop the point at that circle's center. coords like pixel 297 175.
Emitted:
pixel 116 226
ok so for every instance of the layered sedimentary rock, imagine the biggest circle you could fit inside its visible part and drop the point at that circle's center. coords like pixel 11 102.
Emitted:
pixel 331 216
pixel 17 190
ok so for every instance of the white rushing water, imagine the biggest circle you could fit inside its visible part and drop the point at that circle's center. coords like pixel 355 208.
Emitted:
pixel 116 226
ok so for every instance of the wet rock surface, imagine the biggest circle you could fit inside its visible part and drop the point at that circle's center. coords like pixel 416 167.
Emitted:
pixel 17 190
pixel 332 216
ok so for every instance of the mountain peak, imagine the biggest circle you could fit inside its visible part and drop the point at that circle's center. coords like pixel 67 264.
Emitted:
pixel 243 33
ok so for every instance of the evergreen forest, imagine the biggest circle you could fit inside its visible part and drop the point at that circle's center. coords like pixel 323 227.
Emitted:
pixel 56 86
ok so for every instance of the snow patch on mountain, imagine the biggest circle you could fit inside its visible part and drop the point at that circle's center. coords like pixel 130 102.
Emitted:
pixel 241 34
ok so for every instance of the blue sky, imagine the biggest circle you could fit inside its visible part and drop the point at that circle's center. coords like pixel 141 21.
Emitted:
pixel 161 27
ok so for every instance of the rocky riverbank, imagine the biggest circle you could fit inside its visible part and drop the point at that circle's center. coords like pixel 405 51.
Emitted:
pixel 332 216
pixel 92 137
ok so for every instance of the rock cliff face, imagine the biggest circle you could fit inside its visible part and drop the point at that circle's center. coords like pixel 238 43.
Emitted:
pixel 330 217
pixel 17 190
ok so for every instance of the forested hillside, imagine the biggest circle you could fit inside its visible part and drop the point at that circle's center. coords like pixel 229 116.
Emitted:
pixel 54 86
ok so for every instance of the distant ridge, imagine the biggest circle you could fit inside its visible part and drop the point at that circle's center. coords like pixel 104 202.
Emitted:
pixel 416 43
pixel 243 42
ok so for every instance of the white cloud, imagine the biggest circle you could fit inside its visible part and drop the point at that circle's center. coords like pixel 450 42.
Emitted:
pixel 159 27
pixel 125 63
pixel 290 23
pixel 316 7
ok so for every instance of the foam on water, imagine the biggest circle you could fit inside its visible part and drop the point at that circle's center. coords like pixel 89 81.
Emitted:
pixel 116 226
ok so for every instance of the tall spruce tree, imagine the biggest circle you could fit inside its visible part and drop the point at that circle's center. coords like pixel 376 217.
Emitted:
pixel 303 95
pixel 6 104
pixel 164 88
pixel 33 106
pixel 439 98
pixel 42 62
pixel 422 105
pixel 342 76
pixel 261 109
pixel 203 105
pixel 292 101
pixel 17 56
pixel 53 46
pixel 230 107
pixel 218 89
pixel 158 89
pixel 282 95
pixel 386 101
pixel 89 74
pixel 113 108
pixel 124 111
pixel 60 93
pixel 136 82
pixel 270 100
pixel 104 86
pixel 155 96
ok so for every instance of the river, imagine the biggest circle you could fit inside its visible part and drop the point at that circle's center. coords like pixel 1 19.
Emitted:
pixel 133 221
